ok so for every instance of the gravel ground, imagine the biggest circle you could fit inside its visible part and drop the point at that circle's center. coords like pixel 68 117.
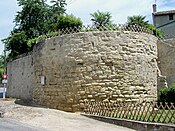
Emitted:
pixel 53 120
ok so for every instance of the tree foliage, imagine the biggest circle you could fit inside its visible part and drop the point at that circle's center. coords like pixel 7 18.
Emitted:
pixel 35 18
pixel 58 8
pixel 155 31
pixel 2 61
pixel 140 20
pixel 64 22
pixel 16 43
pixel 32 18
pixel 101 18
pixel 68 21
pixel 2 65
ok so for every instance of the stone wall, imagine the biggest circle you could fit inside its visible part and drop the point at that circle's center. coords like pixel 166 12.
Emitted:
pixel 116 66
pixel 20 78
pixel 166 59
pixel 65 71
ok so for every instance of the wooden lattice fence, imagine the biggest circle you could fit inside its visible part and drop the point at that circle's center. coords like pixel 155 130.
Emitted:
pixel 146 112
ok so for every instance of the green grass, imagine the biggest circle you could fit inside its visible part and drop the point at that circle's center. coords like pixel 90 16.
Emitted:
pixel 162 116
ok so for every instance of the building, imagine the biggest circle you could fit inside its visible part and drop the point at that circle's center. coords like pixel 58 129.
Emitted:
pixel 164 21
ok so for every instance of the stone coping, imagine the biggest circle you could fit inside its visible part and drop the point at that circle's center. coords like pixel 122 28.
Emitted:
pixel 136 125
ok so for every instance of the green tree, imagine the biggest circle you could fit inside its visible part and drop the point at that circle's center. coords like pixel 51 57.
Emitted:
pixel 101 18
pixel 16 43
pixel 30 22
pixel 58 8
pixel 35 18
pixel 32 18
pixel 138 20
pixel 2 61
pixel 2 66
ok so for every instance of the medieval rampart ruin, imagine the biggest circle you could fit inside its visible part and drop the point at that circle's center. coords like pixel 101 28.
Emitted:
pixel 65 71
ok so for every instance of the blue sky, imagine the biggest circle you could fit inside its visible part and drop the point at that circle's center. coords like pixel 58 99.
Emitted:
pixel 119 9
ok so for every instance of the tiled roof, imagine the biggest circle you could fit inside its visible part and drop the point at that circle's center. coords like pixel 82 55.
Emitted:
pixel 165 12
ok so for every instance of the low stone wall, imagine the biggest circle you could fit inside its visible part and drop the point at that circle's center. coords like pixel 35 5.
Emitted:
pixel 117 66
pixel 166 59
pixel 20 78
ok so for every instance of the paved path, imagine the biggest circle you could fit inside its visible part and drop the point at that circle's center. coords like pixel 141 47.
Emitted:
pixel 9 125
pixel 53 120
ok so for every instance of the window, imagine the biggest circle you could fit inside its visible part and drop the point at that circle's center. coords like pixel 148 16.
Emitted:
pixel 171 17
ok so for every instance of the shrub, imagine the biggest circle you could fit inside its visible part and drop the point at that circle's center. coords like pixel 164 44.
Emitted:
pixel 167 94
pixel 40 38
pixel 155 31
pixel 34 41
pixel 68 21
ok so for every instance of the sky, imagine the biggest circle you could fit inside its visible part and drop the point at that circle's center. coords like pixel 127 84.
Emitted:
pixel 120 10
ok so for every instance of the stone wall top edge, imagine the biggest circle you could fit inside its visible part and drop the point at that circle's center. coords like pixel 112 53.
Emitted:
pixel 82 33
pixel 22 56
pixel 143 34
pixel 101 32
